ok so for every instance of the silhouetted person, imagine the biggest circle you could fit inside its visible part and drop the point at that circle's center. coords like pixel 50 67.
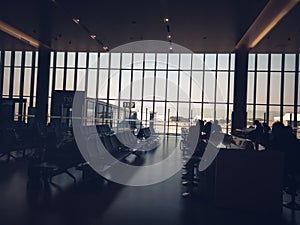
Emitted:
pixel 258 133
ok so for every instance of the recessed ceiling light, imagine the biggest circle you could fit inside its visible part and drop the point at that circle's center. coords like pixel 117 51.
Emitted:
pixel 76 20
pixel 93 36
pixel 169 36
pixel 166 20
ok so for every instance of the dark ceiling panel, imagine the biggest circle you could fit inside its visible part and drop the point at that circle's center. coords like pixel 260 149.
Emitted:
pixel 202 26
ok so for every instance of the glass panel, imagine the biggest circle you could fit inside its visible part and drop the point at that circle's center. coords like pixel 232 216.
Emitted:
pixel 161 61
pixel 275 87
pixel 195 112
pixel 115 60
pixel 6 81
pixel 149 61
pixel 92 83
pixel 197 81
pixel 208 112
pixel 171 118
pixel 35 83
pixel 18 58
pixel 28 58
pixel 209 86
pixel 27 81
pixel 160 89
pixel 210 61
pixel 50 83
pixel 137 84
pixel 223 61
pixel 250 87
pixel 172 86
pixel 103 84
pixel 138 60
pixel 251 62
pixel 274 115
pixel 260 113
pixel 59 79
pixel 159 119
pixel 184 87
pixel 198 61
pixel 289 88
pixel 276 62
pixel 126 60
pixel 183 116
pixel 93 60
pixel 261 88
pixel 71 59
pixel 185 61
pixel 7 58
pixel 288 112
pixel 231 91
pixel 173 61
pixel 104 60
pixel 125 84
pixel 232 61
pixel 51 60
pixel 148 85
pixel 262 61
pixel 81 80
pixel 70 80
pixel 290 62
pixel 114 84
pixel 249 115
pixel 17 76
pixel 60 59
pixel 222 86
pixel 82 60
pixel 221 115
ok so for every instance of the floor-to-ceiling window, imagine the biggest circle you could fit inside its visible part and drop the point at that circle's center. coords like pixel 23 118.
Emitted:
pixel 169 91
pixel 19 80
pixel 273 88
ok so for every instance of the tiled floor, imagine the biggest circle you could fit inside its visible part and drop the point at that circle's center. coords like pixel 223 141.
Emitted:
pixel 95 203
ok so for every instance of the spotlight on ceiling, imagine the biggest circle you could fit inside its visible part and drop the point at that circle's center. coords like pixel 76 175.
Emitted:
pixel 76 20
pixel 105 48
pixel 166 20
pixel 93 36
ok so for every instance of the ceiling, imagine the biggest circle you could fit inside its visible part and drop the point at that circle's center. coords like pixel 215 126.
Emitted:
pixel 201 26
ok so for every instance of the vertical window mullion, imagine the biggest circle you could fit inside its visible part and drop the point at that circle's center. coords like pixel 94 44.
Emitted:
pixel 228 93
pixel 21 90
pixel 65 71
pixel 166 93
pixel 268 90
pixel 154 85
pixel 282 87
pixel 76 72
pixel 108 89
pixel 119 88
pixel 54 71
pixel 22 75
pixel 296 94
pixel 190 94
pixel 178 90
pixel 97 85
pixel 255 87
pixel 11 82
pixel 32 78
pixel 216 87
pixel 203 80
pixel 143 87
pixel 2 58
